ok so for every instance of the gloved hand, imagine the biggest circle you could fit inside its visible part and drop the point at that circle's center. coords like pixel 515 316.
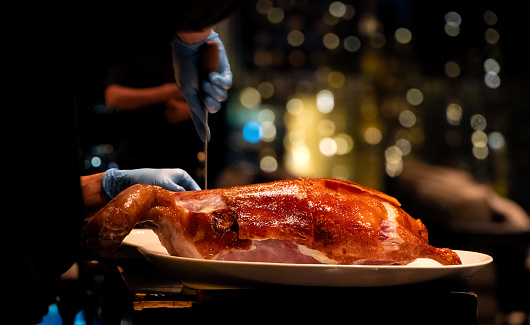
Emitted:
pixel 186 63
pixel 176 180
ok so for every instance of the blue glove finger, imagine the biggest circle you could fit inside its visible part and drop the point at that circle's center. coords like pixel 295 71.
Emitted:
pixel 184 181
pixel 223 80
pixel 214 91
pixel 212 105
pixel 177 180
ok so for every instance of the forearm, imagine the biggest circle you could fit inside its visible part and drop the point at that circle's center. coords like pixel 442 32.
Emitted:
pixel 93 194
pixel 194 37
pixel 127 98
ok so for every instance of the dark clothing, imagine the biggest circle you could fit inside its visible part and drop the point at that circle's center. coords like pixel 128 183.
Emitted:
pixel 54 55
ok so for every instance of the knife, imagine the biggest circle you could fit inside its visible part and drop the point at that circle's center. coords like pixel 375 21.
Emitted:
pixel 209 56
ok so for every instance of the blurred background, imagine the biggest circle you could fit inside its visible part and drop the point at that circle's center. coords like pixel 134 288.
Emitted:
pixel 428 101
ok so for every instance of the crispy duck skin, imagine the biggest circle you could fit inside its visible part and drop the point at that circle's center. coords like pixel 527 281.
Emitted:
pixel 290 221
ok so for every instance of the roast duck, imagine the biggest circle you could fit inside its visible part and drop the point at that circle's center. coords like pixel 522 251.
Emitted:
pixel 290 221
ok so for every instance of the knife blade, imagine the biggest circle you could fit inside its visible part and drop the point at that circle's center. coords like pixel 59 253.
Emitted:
pixel 209 56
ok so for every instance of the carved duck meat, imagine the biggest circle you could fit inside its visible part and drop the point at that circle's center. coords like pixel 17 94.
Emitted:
pixel 290 221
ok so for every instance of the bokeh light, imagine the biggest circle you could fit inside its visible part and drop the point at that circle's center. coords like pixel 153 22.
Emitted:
pixel 453 114
pixel 492 80
pixel 275 15
pixel 492 36
pixel 269 131
pixel 331 41
pixel 295 106
pixel 253 132
pixel 250 97
pixel 295 38
pixel 407 119
pixel 373 135
pixel 496 140
pixel 327 146
pixel 337 9
pixel 479 139
pixel 325 101
pixel 478 122
pixel 336 79
pixel 414 96
pixel 268 164
pixel 491 65
pixel 266 115
pixel 352 43
pixel 266 89
pixel 403 35
pixel 344 143
pixel 452 69
pixel 480 152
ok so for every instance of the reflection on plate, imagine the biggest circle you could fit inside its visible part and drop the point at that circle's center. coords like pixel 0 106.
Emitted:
pixel 210 274
pixel 141 237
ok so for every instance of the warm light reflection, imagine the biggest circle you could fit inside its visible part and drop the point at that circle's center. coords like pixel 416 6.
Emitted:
pixel 452 69
pixel 453 113
pixel 337 9
pixel 325 101
pixel 344 143
pixel 268 164
pixel 414 96
pixel 275 15
pixel 373 135
pixel 479 139
pixel 478 122
pixel 295 38
pixel 250 97
pixel 295 106
pixel 266 89
pixel 331 41
pixel 328 147
pixel 492 36
pixel 403 35
pixel 407 119
pixel 480 152
pixel 269 131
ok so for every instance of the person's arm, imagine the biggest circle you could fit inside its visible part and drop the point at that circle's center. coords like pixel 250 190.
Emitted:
pixel 126 98
pixel 94 196
pixel 99 189
pixel 194 37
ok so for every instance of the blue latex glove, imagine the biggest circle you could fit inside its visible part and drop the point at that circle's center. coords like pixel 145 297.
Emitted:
pixel 176 180
pixel 186 63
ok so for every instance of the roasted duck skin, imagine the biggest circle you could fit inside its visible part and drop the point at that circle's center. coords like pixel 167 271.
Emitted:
pixel 290 221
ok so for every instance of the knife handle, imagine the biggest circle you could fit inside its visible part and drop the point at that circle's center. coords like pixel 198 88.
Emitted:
pixel 209 56
pixel 209 62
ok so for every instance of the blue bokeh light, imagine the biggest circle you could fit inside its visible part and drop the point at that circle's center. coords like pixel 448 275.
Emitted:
pixel 253 132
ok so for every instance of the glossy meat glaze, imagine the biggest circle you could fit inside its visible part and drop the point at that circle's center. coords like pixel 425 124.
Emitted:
pixel 291 221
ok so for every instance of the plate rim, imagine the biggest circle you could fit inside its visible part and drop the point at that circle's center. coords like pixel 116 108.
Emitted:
pixel 487 260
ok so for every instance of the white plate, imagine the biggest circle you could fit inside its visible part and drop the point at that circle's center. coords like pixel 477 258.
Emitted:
pixel 211 274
